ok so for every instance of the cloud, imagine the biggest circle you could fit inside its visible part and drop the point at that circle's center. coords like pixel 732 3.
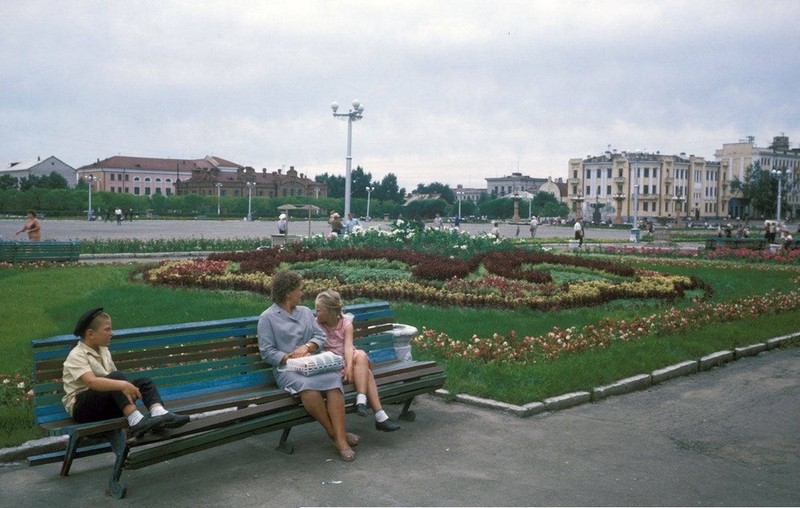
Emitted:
pixel 452 90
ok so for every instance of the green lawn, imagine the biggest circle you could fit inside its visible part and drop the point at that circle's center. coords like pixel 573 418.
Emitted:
pixel 46 301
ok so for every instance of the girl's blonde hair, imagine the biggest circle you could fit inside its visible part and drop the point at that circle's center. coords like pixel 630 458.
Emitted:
pixel 331 301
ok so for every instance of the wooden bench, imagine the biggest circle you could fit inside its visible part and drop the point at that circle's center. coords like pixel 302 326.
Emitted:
pixel 212 370
pixel 719 242
pixel 27 252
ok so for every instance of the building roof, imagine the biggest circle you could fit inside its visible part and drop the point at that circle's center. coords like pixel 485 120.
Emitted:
pixel 156 164
pixel 27 164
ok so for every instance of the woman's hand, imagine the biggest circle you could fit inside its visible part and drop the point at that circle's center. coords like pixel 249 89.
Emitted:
pixel 300 352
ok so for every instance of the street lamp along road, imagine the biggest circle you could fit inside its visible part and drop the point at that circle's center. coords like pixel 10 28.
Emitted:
pixel 250 186
pixel 219 191
pixel 90 180
pixel 369 189
pixel 779 173
pixel 352 116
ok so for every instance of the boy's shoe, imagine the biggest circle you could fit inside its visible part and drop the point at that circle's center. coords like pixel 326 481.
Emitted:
pixel 146 424
pixel 172 420
pixel 361 409
pixel 387 425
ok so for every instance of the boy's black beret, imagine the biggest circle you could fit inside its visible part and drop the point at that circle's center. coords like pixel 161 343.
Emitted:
pixel 85 320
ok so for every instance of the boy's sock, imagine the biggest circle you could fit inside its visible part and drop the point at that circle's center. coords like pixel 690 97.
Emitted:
pixel 134 418
pixel 157 410
pixel 361 398
pixel 381 416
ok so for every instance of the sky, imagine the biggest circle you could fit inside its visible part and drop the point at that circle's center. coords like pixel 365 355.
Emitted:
pixel 453 91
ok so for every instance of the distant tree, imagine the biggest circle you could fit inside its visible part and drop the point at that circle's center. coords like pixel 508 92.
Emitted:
pixel 8 182
pixel 388 190
pixel 335 184
pixel 437 188
pixel 52 181
pixel 546 205
pixel 760 189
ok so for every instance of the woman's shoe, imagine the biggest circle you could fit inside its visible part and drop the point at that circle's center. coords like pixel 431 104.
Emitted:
pixel 347 455
pixel 352 439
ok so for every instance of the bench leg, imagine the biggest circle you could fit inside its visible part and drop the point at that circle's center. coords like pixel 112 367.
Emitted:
pixel 119 444
pixel 406 414
pixel 69 454
pixel 285 445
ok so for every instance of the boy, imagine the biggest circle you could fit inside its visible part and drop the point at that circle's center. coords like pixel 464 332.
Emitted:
pixel 95 390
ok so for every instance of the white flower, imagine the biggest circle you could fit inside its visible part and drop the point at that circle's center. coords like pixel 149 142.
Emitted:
pixel 21 386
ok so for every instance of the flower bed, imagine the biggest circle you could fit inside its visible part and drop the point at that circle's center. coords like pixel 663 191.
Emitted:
pixel 529 350
pixel 512 280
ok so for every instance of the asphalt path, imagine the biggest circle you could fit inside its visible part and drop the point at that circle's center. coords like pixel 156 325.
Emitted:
pixel 725 437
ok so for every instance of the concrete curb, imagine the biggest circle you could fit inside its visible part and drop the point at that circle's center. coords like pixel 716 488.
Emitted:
pixel 565 401
pixel 627 385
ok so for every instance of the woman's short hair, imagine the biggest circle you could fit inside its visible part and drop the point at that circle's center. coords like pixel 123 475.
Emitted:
pixel 283 283
pixel 331 301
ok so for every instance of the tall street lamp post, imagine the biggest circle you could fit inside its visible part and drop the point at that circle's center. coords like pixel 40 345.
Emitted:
pixel 370 188
pixel 779 174
pixel 219 191
pixel 460 195
pixel 250 186
pixel 635 229
pixel 90 180
pixel 352 116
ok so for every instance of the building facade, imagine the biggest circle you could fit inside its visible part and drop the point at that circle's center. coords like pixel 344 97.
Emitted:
pixel 629 186
pixel 778 157
pixel 217 181
pixel 516 182
pixel 634 185
pixel 144 176
pixel 39 167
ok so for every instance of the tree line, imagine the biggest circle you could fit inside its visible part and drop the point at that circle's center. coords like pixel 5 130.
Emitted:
pixel 51 196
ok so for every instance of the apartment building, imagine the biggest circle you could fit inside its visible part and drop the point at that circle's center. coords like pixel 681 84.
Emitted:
pixel 633 185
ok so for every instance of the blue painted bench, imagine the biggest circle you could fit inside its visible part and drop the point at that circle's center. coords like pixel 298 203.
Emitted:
pixel 27 252
pixel 211 369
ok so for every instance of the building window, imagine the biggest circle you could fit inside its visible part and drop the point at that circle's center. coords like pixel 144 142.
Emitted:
pixel 588 191
pixel 136 191
pixel 644 206
pixel 647 172
pixel 655 172
pixel 608 190
pixel 136 179
pixel 127 177
pixel 575 173
pixel 598 172
pixel 588 173
pixel 609 173
pixel 112 177
pixel 147 191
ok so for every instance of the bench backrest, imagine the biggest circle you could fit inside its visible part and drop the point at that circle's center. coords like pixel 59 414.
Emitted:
pixel 193 359
pixel 26 252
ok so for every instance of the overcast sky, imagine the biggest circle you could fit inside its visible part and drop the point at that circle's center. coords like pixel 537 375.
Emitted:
pixel 453 91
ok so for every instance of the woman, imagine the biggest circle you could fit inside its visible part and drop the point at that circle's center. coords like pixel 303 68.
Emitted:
pixel 289 330
pixel 339 330
pixel 32 226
